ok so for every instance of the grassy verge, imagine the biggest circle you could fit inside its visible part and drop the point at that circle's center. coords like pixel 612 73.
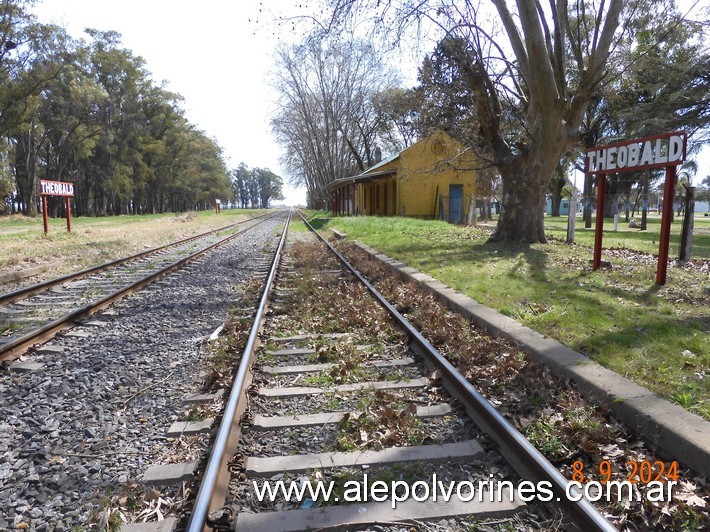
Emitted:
pixel 658 337
pixel 96 240
pixel 627 238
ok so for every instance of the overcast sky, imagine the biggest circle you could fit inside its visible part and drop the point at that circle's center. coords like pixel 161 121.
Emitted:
pixel 217 54
pixel 212 52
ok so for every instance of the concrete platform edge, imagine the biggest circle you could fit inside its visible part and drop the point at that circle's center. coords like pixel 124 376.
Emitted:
pixel 668 428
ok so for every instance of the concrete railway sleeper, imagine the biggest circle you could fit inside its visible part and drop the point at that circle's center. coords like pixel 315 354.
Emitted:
pixel 342 416
pixel 34 314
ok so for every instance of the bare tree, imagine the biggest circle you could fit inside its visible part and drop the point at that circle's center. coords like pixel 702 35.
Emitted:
pixel 535 67
pixel 326 120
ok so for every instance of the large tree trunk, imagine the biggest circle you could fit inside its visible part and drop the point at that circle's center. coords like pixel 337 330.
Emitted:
pixel 26 177
pixel 611 203
pixel 523 204
pixel 616 188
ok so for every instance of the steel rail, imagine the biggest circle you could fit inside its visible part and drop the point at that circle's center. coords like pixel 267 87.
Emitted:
pixel 236 396
pixel 524 457
pixel 9 297
pixel 42 334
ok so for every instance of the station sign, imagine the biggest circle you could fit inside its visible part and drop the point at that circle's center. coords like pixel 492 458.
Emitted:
pixel 667 150
pixel 56 188
pixel 640 154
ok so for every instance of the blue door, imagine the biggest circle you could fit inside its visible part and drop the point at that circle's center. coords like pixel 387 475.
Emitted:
pixel 456 204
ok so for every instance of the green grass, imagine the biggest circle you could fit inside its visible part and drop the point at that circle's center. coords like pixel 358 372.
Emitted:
pixel 646 241
pixel 297 226
pixel 95 240
pixel 658 337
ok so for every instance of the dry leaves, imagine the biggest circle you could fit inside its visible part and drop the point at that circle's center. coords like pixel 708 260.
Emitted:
pixel 526 393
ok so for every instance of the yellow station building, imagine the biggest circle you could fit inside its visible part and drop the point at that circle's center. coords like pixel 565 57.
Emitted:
pixel 434 178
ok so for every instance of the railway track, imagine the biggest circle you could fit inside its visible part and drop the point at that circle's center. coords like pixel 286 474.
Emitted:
pixel 36 313
pixel 78 430
pixel 337 392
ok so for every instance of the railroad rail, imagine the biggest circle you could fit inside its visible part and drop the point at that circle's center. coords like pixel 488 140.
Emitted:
pixel 36 313
pixel 430 387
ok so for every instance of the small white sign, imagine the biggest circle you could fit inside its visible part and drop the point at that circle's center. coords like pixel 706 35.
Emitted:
pixel 56 188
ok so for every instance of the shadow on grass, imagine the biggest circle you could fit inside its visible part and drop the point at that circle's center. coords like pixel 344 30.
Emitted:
pixel 481 254
pixel 520 255
pixel 644 333
pixel 652 352
pixel 318 223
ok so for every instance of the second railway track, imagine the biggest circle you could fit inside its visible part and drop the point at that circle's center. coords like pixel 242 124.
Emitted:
pixel 35 313
pixel 79 431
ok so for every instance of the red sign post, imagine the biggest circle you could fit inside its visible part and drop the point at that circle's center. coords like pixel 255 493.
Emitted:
pixel 660 151
pixel 56 188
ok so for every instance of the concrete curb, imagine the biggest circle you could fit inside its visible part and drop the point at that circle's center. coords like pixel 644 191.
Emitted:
pixel 23 274
pixel 666 427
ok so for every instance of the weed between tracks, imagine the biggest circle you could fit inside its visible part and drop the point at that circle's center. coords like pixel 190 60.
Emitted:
pixel 8 328
pixel 550 413
pixel 311 305
pixel 385 421
pixel 315 303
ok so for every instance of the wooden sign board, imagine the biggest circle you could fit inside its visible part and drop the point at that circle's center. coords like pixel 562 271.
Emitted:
pixel 56 188
pixel 660 151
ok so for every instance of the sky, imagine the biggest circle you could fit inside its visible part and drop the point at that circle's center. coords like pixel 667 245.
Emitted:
pixel 218 55
pixel 214 53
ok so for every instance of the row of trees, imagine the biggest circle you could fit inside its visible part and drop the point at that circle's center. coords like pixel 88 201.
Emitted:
pixel 527 88
pixel 327 120
pixel 86 111
pixel 255 187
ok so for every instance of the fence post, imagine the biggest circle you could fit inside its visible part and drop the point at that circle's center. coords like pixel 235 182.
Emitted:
pixel 572 216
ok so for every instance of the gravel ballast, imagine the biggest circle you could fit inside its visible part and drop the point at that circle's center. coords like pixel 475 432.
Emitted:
pixel 95 417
